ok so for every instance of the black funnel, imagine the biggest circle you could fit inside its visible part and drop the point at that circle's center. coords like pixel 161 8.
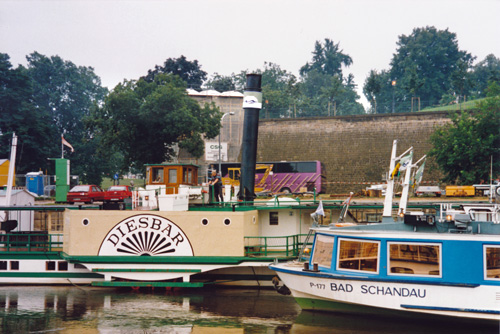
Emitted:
pixel 252 103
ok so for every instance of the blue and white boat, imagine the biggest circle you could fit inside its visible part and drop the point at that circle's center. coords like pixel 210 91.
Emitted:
pixel 445 264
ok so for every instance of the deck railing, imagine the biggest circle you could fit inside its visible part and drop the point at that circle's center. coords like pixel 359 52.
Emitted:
pixel 30 242
pixel 288 246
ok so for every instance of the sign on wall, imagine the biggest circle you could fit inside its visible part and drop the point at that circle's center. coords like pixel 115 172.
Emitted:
pixel 146 235
pixel 212 151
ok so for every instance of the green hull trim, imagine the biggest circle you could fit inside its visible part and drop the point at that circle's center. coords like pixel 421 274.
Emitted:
pixel 31 256
pixel 232 277
pixel 148 284
pixel 229 260
pixel 49 275
pixel 103 270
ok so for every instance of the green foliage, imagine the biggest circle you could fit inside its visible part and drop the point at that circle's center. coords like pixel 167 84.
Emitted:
pixel 18 114
pixel 221 83
pixel 325 90
pixel 143 120
pixel 189 71
pixel 464 147
pixel 484 73
pixel 427 65
pixel 65 94
pixel 328 59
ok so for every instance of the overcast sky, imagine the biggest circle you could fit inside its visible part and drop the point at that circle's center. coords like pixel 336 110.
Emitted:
pixel 123 39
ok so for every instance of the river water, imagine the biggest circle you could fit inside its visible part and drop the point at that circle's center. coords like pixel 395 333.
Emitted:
pixel 89 310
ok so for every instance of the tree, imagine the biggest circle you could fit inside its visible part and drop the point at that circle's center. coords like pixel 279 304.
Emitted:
pixel 464 147
pixel 65 94
pixel 189 71
pixel 484 72
pixel 372 88
pixel 323 85
pixel 221 83
pixel 428 64
pixel 327 59
pixel 143 120
pixel 18 114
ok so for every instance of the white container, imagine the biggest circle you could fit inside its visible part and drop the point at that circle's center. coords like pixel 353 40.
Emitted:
pixel 177 202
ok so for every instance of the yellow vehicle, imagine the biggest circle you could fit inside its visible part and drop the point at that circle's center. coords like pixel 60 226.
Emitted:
pixel 234 174
pixel 460 191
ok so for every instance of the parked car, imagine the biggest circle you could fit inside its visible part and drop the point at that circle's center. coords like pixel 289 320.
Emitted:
pixel 117 193
pixel 87 193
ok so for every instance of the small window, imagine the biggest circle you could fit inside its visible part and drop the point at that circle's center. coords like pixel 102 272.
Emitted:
pixel 62 266
pixel 3 265
pixel 323 250
pixel 204 222
pixel 50 265
pixel 492 262
pixel 358 255
pixel 157 175
pixel 414 259
pixel 79 266
pixel 172 176
pixel 14 265
pixel 227 221
pixel 273 218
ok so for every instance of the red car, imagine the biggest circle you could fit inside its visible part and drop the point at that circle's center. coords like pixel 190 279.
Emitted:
pixel 117 194
pixel 87 193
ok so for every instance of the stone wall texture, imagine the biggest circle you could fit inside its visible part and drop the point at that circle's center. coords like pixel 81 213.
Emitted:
pixel 355 150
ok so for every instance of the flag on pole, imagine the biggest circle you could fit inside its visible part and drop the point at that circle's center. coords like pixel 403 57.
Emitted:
pixel 65 142
pixel 420 173
pixel 319 211
pixel 405 161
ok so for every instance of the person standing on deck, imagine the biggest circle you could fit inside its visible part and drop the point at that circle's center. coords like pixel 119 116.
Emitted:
pixel 216 182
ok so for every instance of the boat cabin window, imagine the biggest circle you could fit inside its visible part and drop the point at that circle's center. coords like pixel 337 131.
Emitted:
pixel 273 218
pixel 157 175
pixel 172 176
pixel 14 265
pixel 492 262
pixel 187 175
pixel 359 255
pixel 323 250
pixel 414 259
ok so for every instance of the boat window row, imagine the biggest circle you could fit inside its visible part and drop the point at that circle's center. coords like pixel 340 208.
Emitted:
pixel 49 265
pixel 9 265
pixel 403 258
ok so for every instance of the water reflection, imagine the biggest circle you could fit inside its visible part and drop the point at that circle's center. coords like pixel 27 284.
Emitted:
pixel 98 310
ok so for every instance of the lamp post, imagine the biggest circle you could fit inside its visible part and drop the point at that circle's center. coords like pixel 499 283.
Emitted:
pixel 220 132
pixel 393 89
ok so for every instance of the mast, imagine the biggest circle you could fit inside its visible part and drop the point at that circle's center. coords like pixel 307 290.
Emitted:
pixel 12 165
pixel 393 169
pixel 390 183
pixel 406 185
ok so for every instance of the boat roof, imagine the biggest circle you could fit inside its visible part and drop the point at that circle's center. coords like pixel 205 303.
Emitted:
pixel 173 164
pixel 3 192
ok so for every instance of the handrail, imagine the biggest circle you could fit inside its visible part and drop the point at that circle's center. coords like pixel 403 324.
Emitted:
pixel 30 242
pixel 288 246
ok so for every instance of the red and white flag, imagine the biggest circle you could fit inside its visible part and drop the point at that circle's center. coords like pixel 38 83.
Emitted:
pixel 65 142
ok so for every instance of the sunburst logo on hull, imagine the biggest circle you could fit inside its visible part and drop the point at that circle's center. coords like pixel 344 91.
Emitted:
pixel 146 235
